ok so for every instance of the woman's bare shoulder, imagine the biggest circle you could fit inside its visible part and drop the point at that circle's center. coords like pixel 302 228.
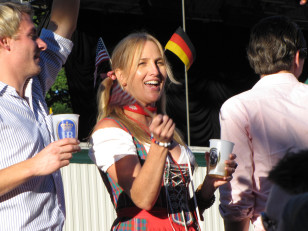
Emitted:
pixel 106 123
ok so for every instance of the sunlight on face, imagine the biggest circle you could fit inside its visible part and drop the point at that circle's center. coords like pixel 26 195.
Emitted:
pixel 148 82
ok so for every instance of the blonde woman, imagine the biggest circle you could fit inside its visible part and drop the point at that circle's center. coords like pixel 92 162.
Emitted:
pixel 146 166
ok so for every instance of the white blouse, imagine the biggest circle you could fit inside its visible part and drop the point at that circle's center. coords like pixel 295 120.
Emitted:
pixel 109 145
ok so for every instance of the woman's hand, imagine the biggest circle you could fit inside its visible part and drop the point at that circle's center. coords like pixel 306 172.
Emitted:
pixel 162 128
pixel 231 165
pixel 211 183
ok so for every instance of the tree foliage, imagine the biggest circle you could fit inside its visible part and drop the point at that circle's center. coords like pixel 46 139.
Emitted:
pixel 58 97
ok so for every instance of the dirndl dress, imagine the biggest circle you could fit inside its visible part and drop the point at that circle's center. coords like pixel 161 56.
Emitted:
pixel 173 210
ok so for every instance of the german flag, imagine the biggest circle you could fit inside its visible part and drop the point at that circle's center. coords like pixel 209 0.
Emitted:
pixel 181 45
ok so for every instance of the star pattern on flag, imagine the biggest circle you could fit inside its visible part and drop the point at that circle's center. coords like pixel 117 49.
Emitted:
pixel 101 57
pixel 101 53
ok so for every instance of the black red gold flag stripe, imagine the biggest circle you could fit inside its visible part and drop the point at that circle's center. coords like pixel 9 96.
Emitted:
pixel 181 46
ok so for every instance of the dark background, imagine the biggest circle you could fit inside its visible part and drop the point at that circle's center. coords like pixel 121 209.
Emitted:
pixel 219 30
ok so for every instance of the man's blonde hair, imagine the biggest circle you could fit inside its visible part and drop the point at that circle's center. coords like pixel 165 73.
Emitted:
pixel 10 17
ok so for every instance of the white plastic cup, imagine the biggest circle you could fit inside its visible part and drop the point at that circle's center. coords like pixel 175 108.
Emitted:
pixel 219 152
pixel 65 126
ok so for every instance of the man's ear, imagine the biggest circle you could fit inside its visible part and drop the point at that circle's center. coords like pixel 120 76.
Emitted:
pixel 298 64
pixel 5 43
pixel 296 59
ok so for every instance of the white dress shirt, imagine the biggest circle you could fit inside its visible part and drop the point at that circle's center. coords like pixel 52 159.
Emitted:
pixel 25 129
pixel 264 123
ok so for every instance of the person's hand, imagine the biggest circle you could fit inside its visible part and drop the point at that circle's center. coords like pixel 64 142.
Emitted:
pixel 55 156
pixel 303 2
pixel 162 128
pixel 231 165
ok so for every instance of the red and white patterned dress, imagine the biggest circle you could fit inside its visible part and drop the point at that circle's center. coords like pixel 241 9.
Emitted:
pixel 173 210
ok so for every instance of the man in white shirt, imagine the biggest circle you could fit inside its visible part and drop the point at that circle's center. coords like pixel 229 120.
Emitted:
pixel 266 121
pixel 31 190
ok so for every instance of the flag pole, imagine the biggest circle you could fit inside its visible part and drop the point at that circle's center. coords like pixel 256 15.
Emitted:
pixel 110 62
pixel 186 81
pixel 187 114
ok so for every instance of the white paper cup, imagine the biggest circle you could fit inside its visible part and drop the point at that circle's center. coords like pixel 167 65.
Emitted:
pixel 219 152
pixel 65 126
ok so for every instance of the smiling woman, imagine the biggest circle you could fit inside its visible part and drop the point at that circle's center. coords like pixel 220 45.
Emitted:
pixel 148 82
pixel 145 165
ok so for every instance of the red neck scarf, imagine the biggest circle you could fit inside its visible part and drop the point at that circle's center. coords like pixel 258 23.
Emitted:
pixel 138 109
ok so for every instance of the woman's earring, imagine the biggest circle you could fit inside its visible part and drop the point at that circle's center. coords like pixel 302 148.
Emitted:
pixel 124 84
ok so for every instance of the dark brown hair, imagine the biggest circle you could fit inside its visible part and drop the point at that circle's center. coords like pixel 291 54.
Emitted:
pixel 291 172
pixel 273 44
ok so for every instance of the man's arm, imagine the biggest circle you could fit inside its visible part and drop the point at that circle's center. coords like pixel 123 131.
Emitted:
pixel 55 156
pixel 63 19
pixel 236 197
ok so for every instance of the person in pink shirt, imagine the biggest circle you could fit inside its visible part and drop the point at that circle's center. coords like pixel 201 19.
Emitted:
pixel 266 121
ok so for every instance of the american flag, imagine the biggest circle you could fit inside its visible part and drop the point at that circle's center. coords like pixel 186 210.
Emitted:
pixel 101 56
pixel 119 96
pixel 101 53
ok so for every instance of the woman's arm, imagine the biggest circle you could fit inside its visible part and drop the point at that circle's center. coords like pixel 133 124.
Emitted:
pixel 143 183
pixel 205 192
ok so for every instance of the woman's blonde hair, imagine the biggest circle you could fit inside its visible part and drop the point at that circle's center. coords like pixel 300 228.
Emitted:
pixel 125 57
pixel 11 16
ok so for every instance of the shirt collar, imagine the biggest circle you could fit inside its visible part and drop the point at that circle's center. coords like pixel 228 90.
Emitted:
pixel 276 79
pixel 5 88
